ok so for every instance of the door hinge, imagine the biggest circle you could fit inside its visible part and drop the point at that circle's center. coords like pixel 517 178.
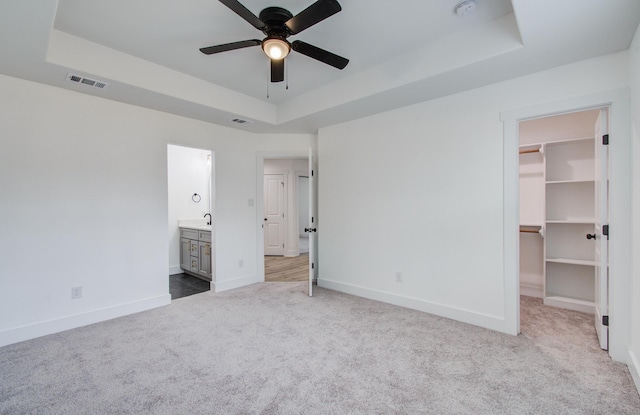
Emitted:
pixel 605 321
pixel 283 245
pixel 283 215
pixel 311 173
pixel 605 140
pixel 313 265
pixel 311 219
pixel 605 231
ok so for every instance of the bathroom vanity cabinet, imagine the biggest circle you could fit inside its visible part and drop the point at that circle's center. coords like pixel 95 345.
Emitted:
pixel 196 252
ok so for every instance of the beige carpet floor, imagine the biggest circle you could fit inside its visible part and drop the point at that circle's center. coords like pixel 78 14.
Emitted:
pixel 270 349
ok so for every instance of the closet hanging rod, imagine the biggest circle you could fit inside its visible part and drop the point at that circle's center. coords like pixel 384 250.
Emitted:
pixel 529 231
pixel 535 150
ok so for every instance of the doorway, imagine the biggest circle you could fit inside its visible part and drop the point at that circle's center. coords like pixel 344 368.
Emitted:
pixel 190 190
pixel 286 257
pixel 563 181
pixel 620 256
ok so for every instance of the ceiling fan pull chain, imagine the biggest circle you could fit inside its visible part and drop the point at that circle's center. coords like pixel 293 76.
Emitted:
pixel 286 76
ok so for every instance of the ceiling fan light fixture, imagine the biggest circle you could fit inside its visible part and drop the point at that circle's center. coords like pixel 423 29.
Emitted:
pixel 276 48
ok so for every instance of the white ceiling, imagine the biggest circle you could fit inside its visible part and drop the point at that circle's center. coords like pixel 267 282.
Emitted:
pixel 400 53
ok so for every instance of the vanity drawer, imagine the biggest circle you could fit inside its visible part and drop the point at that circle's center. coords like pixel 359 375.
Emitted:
pixel 204 236
pixel 189 233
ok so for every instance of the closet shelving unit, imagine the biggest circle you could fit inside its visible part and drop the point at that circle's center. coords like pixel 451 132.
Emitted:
pixel 568 168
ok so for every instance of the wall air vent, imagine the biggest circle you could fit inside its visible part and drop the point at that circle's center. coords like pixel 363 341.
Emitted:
pixel 240 121
pixel 86 81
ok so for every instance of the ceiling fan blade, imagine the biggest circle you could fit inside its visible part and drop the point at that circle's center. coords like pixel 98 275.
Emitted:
pixel 230 46
pixel 320 54
pixel 245 13
pixel 277 70
pixel 313 14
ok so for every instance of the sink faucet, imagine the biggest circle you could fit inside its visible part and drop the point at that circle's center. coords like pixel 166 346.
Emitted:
pixel 208 214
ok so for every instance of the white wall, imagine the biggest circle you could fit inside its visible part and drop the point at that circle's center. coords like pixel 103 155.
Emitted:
pixel 634 71
pixel 188 172
pixel 426 197
pixel 83 201
pixel 291 167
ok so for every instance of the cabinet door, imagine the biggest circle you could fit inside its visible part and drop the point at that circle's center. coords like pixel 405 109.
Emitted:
pixel 185 254
pixel 204 266
pixel 194 256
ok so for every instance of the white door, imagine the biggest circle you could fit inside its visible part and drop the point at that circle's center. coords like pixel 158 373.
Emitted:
pixel 274 188
pixel 312 224
pixel 601 230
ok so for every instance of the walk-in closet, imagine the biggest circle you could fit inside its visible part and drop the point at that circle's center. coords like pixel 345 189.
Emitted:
pixel 563 212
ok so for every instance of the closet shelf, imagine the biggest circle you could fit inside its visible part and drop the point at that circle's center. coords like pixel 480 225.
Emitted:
pixel 572 261
pixel 568 140
pixel 570 181
pixel 577 304
pixel 575 221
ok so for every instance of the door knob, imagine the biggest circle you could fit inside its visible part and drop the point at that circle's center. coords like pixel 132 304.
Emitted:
pixel 591 236
pixel 265 219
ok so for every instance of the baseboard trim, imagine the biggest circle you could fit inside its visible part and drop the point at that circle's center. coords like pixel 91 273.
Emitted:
pixel 531 290
pixel 44 328
pixel 175 270
pixel 466 316
pixel 634 368
pixel 220 286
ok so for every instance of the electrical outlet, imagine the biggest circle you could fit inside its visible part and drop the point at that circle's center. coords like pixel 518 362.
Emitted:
pixel 398 276
pixel 76 292
pixel 240 263
pixel 251 202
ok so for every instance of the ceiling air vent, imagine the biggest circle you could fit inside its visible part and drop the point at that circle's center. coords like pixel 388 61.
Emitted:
pixel 240 121
pixel 86 81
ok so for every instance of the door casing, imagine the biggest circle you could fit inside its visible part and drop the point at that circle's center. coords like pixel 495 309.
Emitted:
pixel 620 210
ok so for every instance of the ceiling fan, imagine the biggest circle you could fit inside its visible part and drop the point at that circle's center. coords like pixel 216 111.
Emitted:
pixel 278 24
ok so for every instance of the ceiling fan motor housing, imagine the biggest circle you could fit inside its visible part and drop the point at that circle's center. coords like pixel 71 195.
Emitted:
pixel 274 19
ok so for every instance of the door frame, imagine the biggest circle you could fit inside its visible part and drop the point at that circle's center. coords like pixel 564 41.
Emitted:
pixel 211 201
pixel 620 258
pixel 261 156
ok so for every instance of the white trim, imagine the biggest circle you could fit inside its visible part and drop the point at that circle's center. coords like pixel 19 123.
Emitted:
pixel 620 208
pixel 235 283
pixel 466 316
pixel 634 368
pixel 44 328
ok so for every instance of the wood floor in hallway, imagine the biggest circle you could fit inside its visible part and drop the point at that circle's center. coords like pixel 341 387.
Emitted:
pixel 286 269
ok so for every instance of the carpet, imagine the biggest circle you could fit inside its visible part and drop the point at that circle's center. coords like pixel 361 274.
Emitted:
pixel 269 349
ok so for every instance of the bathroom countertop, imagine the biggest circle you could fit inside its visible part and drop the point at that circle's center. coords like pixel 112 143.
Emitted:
pixel 198 224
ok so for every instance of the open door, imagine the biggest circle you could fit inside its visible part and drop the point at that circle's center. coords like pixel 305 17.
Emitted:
pixel 602 229
pixel 312 224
